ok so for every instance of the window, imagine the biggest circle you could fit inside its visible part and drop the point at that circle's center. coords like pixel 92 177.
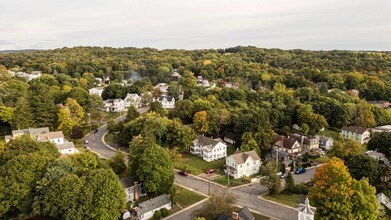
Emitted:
pixel 248 164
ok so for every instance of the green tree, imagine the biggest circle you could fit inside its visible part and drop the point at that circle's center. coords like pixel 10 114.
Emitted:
pixel 364 166
pixel 70 115
pixel 249 143
pixel 289 183
pixel 6 114
pixel 80 95
pixel 23 117
pixel 346 149
pixel 132 113
pixel 117 163
pixel 220 201
pixel 270 178
pixel 158 108
pixel 200 122
pixel 156 171
pixel 381 142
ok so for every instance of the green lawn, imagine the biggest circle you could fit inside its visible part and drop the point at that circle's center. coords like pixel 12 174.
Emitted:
pixel 223 180
pixel 287 199
pixel 185 198
pixel 109 137
pixel 196 165
pixel 259 217
pixel 330 133
pixel 321 159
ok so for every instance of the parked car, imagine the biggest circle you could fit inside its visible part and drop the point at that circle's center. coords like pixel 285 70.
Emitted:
pixel 283 176
pixel 209 171
pixel 300 171
pixel 85 141
pixel 183 173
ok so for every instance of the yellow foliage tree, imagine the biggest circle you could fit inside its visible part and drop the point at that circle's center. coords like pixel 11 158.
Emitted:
pixel 200 120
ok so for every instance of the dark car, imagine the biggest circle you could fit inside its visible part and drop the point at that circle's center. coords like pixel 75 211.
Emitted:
pixel 300 171
pixel 183 173
pixel 209 171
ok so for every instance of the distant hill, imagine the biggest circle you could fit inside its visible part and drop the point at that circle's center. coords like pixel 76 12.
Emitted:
pixel 17 51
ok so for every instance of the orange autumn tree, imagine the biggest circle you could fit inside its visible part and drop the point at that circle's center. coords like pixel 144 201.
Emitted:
pixel 336 195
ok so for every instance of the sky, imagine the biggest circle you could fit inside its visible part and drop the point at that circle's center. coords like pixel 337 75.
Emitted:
pixel 196 24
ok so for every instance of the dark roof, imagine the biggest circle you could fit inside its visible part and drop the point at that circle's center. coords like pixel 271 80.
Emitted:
pixel 284 142
pixel 169 98
pixel 244 214
pixel 306 140
pixel 205 141
pixel 127 182
pixel 354 129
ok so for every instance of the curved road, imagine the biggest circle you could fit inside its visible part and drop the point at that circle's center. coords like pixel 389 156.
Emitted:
pixel 95 142
pixel 247 195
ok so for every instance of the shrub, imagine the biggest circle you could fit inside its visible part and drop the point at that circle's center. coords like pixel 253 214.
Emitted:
pixel 164 212
pixel 157 215
pixel 300 189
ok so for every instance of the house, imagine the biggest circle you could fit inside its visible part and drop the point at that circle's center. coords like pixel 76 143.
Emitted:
pixel 284 158
pixel 98 81
pixel 242 164
pixel 163 87
pixel 29 77
pixel 133 189
pixel 114 105
pixel 33 132
pixel 384 128
pixel 307 142
pixel 209 149
pixel 243 214
pixel 358 134
pixel 146 209
pixel 379 104
pixel 305 210
pixel 67 148
pixel 97 91
pixel 289 145
pixel 205 83
pixel 167 101
pixel 325 142
pixel 378 156
pixel 176 76
pixel 56 137
pixel 133 99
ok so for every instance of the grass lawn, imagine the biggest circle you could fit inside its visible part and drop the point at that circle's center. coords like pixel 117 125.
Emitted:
pixel 184 198
pixel 196 165
pixel 109 137
pixel 287 199
pixel 330 133
pixel 259 217
pixel 223 180
pixel 321 159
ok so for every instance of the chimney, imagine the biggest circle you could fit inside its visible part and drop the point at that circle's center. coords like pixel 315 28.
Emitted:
pixel 235 216
pixel 136 195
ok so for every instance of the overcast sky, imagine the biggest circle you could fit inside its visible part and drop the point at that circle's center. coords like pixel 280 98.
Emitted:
pixel 196 24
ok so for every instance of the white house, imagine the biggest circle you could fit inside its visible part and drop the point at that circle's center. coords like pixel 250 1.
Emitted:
pixel 97 91
pixel 325 142
pixel 289 145
pixel 163 87
pixel 306 211
pixel 133 99
pixel 242 164
pixel 67 148
pixel 307 142
pixel 56 137
pixel 357 134
pixel 114 105
pixel 146 209
pixel 167 101
pixel 209 149
pixel 384 128
pixel 33 132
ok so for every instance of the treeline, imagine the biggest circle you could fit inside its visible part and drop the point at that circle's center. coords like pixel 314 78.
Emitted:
pixel 368 72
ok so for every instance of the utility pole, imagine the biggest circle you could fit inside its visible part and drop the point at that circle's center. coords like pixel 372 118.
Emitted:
pixel 209 187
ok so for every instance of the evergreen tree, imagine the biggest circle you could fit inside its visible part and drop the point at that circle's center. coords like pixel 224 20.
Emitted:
pixel 23 118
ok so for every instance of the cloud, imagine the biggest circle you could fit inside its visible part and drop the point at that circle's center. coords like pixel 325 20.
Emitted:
pixel 321 24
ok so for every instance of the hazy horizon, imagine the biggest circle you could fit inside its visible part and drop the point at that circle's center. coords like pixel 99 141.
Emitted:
pixel 173 24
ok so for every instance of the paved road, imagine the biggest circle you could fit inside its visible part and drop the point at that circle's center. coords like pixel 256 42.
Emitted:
pixel 305 177
pixel 185 215
pixel 95 140
pixel 247 196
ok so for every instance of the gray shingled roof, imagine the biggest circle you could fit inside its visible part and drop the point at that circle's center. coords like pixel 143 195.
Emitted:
pixel 65 145
pixel 357 130
pixel 205 141
pixel 51 135
pixel 155 203
pixel 30 131
pixel 169 98
pixel 284 142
